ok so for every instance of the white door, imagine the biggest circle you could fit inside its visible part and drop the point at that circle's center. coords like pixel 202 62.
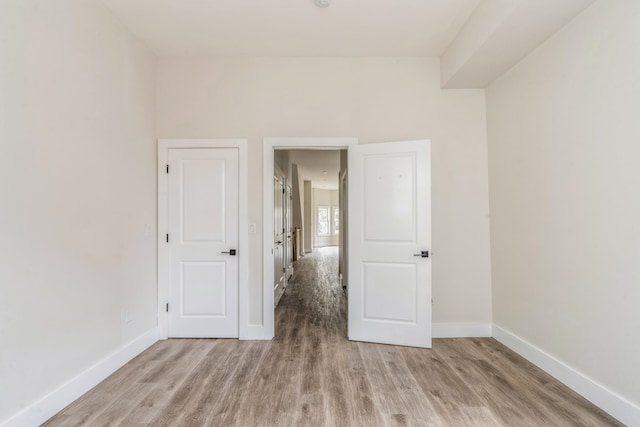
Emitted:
pixel 389 239
pixel 203 242
pixel 279 238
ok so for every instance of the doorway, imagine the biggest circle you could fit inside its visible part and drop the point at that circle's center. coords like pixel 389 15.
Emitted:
pixel 389 239
pixel 308 213
pixel 270 146
pixel 203 294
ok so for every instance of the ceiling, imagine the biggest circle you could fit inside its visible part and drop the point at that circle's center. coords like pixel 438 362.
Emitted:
pixel 476 40
pixel 294 28
pixel 321 167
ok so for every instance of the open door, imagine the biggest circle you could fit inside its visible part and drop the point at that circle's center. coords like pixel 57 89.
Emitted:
pixel 390 243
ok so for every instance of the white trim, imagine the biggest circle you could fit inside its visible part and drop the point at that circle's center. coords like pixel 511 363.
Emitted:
pixel 461 330
pixel 53 402
pixel 243 226
pixel 617 406
pixel 270 144
pixel 258 332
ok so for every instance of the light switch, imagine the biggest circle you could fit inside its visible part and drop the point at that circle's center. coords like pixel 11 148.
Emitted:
pixel 252 228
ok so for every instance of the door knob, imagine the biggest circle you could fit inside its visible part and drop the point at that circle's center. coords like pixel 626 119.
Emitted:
pixel 423 254
pixel 231 252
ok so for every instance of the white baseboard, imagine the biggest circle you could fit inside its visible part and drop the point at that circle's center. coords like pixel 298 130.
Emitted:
pixel 610 402
pixel 617 406
pixel 52 403
pixel 461 330
pixel 257 332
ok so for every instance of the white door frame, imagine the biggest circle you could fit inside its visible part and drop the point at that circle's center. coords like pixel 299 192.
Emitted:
pixel 243 226
pixel 268 147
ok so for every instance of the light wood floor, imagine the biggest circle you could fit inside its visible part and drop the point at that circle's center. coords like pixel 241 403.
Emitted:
pixel 311 375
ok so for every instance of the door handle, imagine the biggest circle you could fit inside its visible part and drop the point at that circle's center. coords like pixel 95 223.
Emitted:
pixel 231 252
pixel 423 254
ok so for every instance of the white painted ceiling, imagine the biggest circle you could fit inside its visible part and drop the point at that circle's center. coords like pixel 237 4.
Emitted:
pixel 498 34
pixel 321 167
pixel 476 40
pixel 294 27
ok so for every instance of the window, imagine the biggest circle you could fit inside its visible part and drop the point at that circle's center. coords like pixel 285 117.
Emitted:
pixel 328 221
pixel 323 221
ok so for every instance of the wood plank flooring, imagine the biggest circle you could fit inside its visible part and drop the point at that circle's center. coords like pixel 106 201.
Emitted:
pixel 311 375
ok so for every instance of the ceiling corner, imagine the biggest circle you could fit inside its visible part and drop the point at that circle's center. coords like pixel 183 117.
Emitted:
pixel 499 34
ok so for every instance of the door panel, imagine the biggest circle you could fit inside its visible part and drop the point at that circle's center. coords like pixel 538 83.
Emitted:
pixel 390 222
pixel 203 289
pixel 203 207
pixel 203 224
pixel 391 178
pixel 390 292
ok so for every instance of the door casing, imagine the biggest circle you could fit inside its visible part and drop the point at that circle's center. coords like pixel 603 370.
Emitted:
pixel 243 222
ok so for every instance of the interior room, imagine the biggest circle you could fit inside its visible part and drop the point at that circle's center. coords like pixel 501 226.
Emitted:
pixel 485 151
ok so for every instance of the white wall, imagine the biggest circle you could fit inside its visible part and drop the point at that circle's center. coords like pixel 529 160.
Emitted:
pixel 373 99
pixel 307 231
pixel 564 155
pixel 297 203
pixel 77 191
pixel 326 198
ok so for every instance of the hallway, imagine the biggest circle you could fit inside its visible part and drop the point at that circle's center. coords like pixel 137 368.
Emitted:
pixel 314 304
pixel 311 375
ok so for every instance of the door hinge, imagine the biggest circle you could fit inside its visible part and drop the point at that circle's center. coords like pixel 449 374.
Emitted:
pixel 284 269
pixel 167 307
pixel 167 237
pixel 167 168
